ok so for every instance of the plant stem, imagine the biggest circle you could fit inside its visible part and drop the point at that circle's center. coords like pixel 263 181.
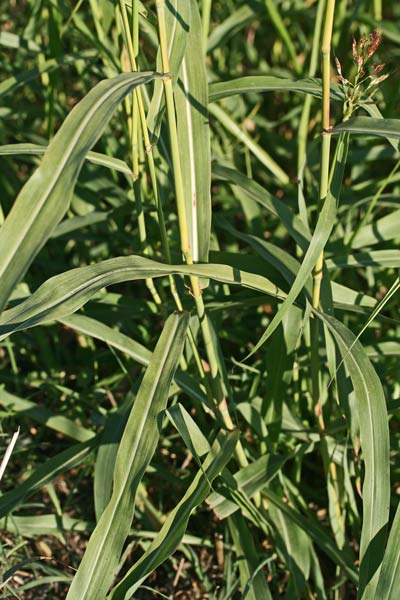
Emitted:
pixel 305 114
pixel 216 380
pixel 205 21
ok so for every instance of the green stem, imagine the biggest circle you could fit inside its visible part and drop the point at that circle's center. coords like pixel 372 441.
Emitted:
pixel 279 25
pixel 216 380
pixel 305 114
pixel 205 22
pixel 378 10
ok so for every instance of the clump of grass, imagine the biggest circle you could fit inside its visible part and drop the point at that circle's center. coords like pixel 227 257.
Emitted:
pixel 198 290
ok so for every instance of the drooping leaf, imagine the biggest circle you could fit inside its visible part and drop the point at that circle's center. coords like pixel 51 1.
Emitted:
pixel 45 197
pixel 95 157
pixel 388 128
pixel 374 434
pixel 270 83
pixel 63 294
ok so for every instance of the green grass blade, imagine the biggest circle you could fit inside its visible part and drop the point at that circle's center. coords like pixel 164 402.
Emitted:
pixel 130 347
pixel 270 83
pixel 384 229
pixel 46 473
pixel 236 21
pixel 190 432
pixel 138 444
pixel 171 533
pixel 64 294
pixel 322 232
pixel 230 125
pixel 294 226
pixel 248 481
pixel 11 84
pixel 387 128
pixel 317 534
pixel 95 157
pixel 253 582
pixel 389 578
pixel 191 100
pixel 45 197
pixel 374 434
pixel 178 24
pixel 43 415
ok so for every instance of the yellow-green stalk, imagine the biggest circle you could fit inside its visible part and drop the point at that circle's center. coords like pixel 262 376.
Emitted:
pixel 215 376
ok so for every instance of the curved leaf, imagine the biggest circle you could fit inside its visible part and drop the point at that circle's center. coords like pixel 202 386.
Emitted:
pixel 95 157
pixel 64 294
pixel 388 128
pixel 270 83
pixel 45 197
pixel 374 434
pixel 325 223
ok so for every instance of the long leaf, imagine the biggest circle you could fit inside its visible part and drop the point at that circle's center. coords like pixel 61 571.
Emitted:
pixel 191 100
pixel 374 433
pixel 326 221
pixel 130 347
pixel 270 83
pixel 387 128
pixel 63 294
pixel 95 157
pixel 171 533
pixel 177 23
pixel 45 197
pixel 138 444
pixel 389 579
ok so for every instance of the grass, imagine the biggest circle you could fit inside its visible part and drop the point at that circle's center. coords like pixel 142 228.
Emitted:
pixel 199 275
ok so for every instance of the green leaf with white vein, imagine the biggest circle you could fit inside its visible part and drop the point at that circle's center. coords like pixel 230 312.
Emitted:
pixel 45 198
pixel 374 433
pixel 64 294
pixel 191 100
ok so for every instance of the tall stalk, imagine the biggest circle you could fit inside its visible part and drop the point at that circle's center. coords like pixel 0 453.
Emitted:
pixel 329 466
pixel 323 191
pixel 216 379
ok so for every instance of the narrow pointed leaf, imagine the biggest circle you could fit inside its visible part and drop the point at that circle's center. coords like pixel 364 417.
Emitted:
pixel 374 434
pixel 177 24
pixel 130 347
pixel 325 223
pixel 387 128
pixel 191 100
pixel 138 444
pixel 95 157
pixel 270 83
pixel 171 533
